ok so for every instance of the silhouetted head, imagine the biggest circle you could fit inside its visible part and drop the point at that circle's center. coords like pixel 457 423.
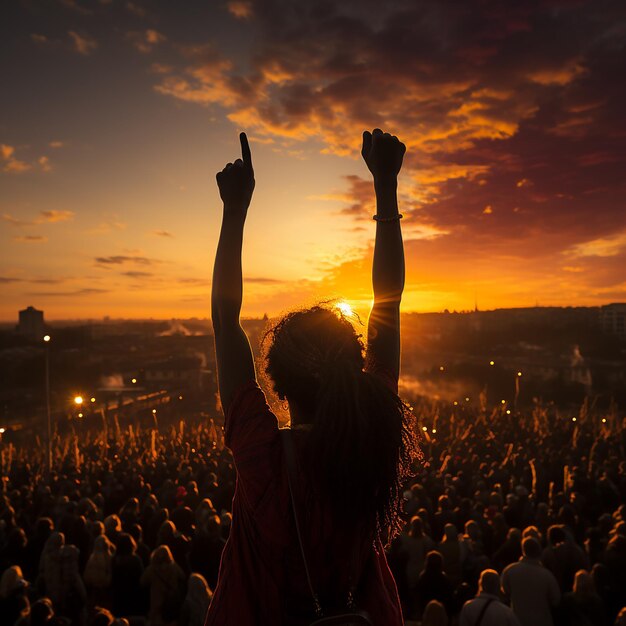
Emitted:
pixel 434 562
pixel 417 527
pixel 308 346
pixel 435 614
pixel 489 582
pixel 531 548
pixel 361 441
pixel 583 583
pixel 161 556
pixel 126 545
pixel 556 534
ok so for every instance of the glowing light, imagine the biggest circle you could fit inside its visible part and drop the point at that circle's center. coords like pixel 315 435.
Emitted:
pixel 424 428
pixel 604 420
pixel 441 368
pixel 180 397
pixel 46 338
pixel 466 399
pixel 2 431
pixel 93 399
pixel 80 415
pixel 134 381
pixel 492 362
pixel 78 400
pixel 153 411
pixel 455 403
pixel 345 308
pixel 434 431
pixel 519 373
pixel 573 419
pixel 508 411
pixel 503 401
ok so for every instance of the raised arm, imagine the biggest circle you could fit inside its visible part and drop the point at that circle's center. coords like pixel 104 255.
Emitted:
pixel 383 154
pixel 235 364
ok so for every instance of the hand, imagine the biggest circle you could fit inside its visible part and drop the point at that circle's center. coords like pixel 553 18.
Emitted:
pixel 383 154
pixel 236 181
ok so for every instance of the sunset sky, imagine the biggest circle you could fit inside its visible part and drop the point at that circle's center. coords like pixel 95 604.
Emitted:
pixel 116 115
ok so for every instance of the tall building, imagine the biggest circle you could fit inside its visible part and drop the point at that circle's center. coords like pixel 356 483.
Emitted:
pixel 613 319
pixel 31 323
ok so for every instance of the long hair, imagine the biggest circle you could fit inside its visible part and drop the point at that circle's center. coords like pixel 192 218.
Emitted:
pixel 362 439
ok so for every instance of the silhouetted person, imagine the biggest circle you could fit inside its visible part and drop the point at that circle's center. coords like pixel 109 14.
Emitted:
pixel 533 589
pixel 563 557
pixel 582 606
pixel 351 433
pixel 433 584
pixel 126 571
pixel 487 605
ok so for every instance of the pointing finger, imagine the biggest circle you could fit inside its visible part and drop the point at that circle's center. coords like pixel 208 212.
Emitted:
pixel 367 143
pixel 245 150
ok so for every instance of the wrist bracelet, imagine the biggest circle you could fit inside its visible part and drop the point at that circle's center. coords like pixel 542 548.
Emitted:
pixel 393 218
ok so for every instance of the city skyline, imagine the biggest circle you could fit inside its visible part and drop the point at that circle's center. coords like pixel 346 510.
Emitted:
pixel 121 113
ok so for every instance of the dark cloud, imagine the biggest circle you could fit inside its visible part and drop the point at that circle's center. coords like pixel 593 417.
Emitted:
pixel 138 274
pixel 123 259
pixel 512 107
pixel 262 280
pixel 31 239
pixel 68 294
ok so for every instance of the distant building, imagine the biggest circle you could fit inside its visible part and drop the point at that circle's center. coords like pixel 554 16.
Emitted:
pixel 31 323
pixel 613 319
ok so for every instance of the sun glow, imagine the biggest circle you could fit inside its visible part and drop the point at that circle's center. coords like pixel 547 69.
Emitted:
pixel 345 308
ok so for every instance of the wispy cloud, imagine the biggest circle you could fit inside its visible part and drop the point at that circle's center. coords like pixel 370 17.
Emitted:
pixel 162 233
pixel 602 247
pixel 31 239
pixel 241 9
pixel 83 44
pixel 11 164
pixel 145 41
pixel 123 259
pixel 88 291
pixel 54 215
pixel 44 164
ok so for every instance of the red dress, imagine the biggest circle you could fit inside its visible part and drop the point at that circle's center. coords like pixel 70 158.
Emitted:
pixel 262 580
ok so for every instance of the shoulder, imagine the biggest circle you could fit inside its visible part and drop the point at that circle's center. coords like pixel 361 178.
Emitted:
pixel 249 417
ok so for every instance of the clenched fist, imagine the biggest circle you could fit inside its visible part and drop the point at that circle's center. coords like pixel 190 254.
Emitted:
pixel 383 154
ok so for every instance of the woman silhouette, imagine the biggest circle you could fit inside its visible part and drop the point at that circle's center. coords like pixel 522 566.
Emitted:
pixel 352 435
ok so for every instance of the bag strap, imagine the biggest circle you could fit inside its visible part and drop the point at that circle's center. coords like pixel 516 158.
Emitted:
pixel 290 462
pixel 483 611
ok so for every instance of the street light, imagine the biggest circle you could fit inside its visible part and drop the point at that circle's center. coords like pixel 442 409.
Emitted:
pixel 78 400
pixel 46 340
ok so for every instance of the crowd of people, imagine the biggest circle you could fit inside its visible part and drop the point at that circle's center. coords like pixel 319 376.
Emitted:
pixel 511 518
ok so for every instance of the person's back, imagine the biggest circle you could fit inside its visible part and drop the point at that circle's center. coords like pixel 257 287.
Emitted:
pixel 351 434
pixel 486 607
pixel 263 540
pixel 583 606
pixel 433 584
pixel 533 589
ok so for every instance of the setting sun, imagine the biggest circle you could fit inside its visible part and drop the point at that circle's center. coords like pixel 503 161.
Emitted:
pixel 345 308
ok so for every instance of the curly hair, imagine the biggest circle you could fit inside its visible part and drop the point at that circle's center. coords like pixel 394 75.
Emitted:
pixel 362 441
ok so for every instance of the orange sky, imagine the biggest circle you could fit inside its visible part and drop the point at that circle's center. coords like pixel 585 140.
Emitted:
pixel 120 114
